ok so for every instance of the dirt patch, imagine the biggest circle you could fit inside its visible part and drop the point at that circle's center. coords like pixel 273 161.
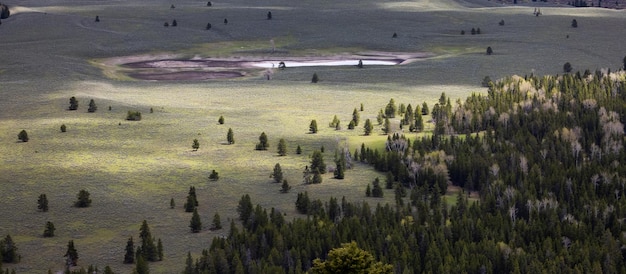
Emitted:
pixel 171 68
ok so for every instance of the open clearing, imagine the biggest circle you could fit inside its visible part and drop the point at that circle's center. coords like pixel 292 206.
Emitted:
pixel 53 50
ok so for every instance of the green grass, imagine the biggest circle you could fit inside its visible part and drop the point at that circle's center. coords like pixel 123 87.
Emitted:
pixel 133 169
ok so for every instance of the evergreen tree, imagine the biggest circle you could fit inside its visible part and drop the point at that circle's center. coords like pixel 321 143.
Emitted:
pixel 277 174
pixel 83 199
pixel 160 249
pixel 129 256
pixel 282 147
pixel 192 200
pixel 419 121
pixel 63 128
pixel 49 230
pixel 368 127
pixel 108 270
pixel 147 250
pixel 377 190
pixel 567 67
pixel 340 162
pixel 351 125
pixel 141 267
pixel 244 208
pixel 349 258
pixel 8 250
pixel 391 109
pixel 387 126
pixel 356 116
pixel 298 150
pixel 92 106
pixel 230 137
pixel 313 127
pixel 172 203
pixel 317 162
pixel 574 23
pixel 23 136
pixel 71 254
pixel 217 223
pixel 221 120
pixel 624 62
pixel 214 176
pixel 73 103
pixel 263 144
pixel 368 191
pixel 317 177
pixel 425 110
pixel 285 187
pixel 489 51
pixel 315 78
pixel 195 224
pixel 189 265
pixel 42 203
pixel 196 145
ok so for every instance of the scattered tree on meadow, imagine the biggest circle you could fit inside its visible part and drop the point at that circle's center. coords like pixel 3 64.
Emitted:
pixel 129 256
pixel 349 258
pixel 313 127
pixel 368 191
pixel 477 30
pixel 360 64
pixel 277 173
pixel 147 251
pixel 230 137
pixel 217 223
pixel 340 166
pixel 395 35
pixel 195 224
pixel 567 67
pixel 63 128
pixel 133 116
pixel 221 120
pixel 315 78
pixel 244 208
pixel 368 127
pixel 8 250
pixel 73 103
pixel 263 144
pixel 172 203
pixel 174 23
pixel 425 110
pixel 351 124
pixel 489 51
pixel 317 177
pixel 192 200
pixel 208 26
pixel 209 4
pixel 160 249
pixel 166 24
pixel 49 230
pixel 356 117
pixel 574 23
pixel 486 82
pixel 317 162
pixel 269 15
pixel 82 199
pixel 23 136
pixel 225 21
pixel 214 176
pixel 298 150
pixel 380 118
pixel 282 147
pixel 462 32
pixel 473 31
pixel 387 126
pixel 391 109
pixel 141 266
pixel 71 255
pixel 501 23
pixel 196 145
pixel 377 190
pixel 97 18
pixel 92 106
pixel 42 203
pixel 285 187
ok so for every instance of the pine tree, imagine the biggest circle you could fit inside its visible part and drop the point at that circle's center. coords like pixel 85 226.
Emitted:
pixel 172 203
pixel 340 168
pixel 83 199
pixel 73 103
pixel 425 110
pixel 387 126
pixel 277 173
pixel 196 145
pixel 141 267
pixel 377 190
pixel 8 250
pixel 217 223
pixel 23 136
pixel 192 200
pixel 189 265
pixel 49 230
pixel 263 144
pixel 368 191
pixel 313 127
pixel 317 177
pixel 129 256
pixel 368 127
pixel 356 116
pixel 214 176
pixel 71 254
pixel 160 249
pixel 230 137
pixel 195 224
pixel 317 162
pixel 244 208
pixel 285 187
pixel 148 250
pixel 221 120
pixel 282 147
pixel 92 106
pixel 42 203
pixel 298 150
pixel 315 78
pixel 63 128
pixel 108 270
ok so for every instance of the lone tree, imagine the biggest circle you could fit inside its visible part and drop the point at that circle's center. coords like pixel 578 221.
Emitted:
pixel 92 106
pixel 298 150
pixel 129 256
pixel 230 137
pixel 574 23
pixel 192 200
pixel 82 199
pixel 277 173
pixel 63 128
pixel 208 26
pixel 214 176
pixel 285 187
pixel 217 223
pixel 42 203
pixel 196 145
pixel 263 144
pixel 97 18
pixel 23 136
pixel 133 116
pixel 49 230
pixel 368 127
pixel 71 255
pixel 489 51
pixel 567 67
pixel 282 147
pixel 8 250
pixel 315 78
pixel 195 224
pixel 73 103
pixel 221 120
pixel 147 251
pixel 269 15
pixel 174 23
pixel 313 127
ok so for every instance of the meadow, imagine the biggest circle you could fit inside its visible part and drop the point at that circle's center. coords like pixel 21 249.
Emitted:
pixel 53 50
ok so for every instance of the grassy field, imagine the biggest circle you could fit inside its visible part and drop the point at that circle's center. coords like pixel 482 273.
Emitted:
pixel 50 51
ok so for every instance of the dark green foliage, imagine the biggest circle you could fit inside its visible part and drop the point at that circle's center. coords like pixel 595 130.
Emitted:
pixel 313 127
pixel 195 223
pixel 501 23
pixel 368 191
pixel 97 18
pixel 574 23
pixel 317 162
pixel 368 127
pixel 380 117
pixel 195 145
pixel 244 208
pixel 49 230
pixel 377 190
pixel 303 202
pixel 8 250
pixel 71 254
pixel 567 67
pixel 192 200
pixel 133 116
pixel 394 35
pixel 23 136
pixel 208 26
pixel 214 176
pixel 172 203
pixel 387 126
pixel 489 51
pixel 317 177
pixel 230 136
pixel 73 103
pixel 349 258
pixel 92 106
pixel 221 120
pixel 151 110
pixel 82 199
pixel 425 110
pixel 277 174
pixel 166 24
pixel 340 165
pixel 389 180
pixel 315 78
pixel 298 150
pixel 217 223
pixel 63 128
pixel 174 23
pixel 282 147
pixel 108 270
pixel 263 144
pixel 486 82
pixel 269 15
pixel 351 125
pixel 141 267
pixel 129 256
pixel 285 187
pixel 160 249
pixel 391 109
pixel 42 203
pixel 147 251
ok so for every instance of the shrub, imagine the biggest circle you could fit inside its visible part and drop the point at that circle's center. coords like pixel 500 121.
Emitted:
pixel 49 231
pixel 567 67
pixel 23 136
pixel 208 26
pixel 208 4
pixel 133 116
pixel 225 21
pixel 221 120
pixel 501 22
pixel 574 23
pixel 489 51
pixel 395 35
pixel 214 176
pixel 166 24
pixel 486 81
pixel 97 18
pixel 63 128
pixel 462 32
pixel 92 106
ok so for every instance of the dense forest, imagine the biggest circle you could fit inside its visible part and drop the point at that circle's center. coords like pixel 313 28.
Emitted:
pixel 545 155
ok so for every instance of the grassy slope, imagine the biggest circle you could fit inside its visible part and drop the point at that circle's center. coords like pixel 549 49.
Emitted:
pixel 133 169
